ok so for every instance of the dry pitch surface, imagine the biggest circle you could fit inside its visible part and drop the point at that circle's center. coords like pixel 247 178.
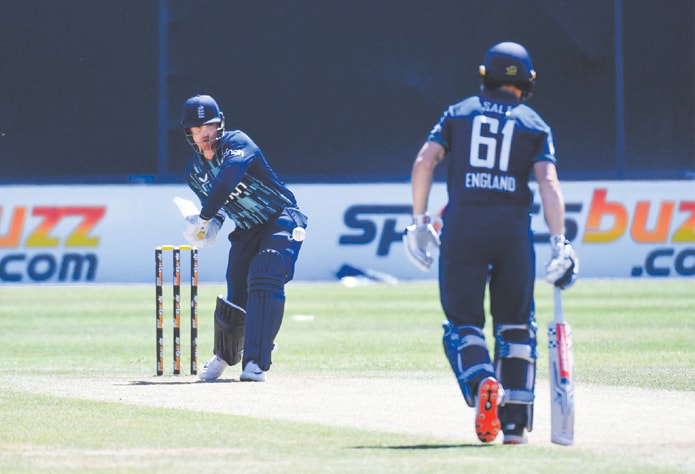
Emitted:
pixel 654 425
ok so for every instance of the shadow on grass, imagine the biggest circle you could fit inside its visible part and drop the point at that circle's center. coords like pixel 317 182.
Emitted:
pixel 176 382
pixel 427 446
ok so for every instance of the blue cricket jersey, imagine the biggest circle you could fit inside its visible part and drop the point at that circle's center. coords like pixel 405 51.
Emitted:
pixel 238 182
pixel 492 140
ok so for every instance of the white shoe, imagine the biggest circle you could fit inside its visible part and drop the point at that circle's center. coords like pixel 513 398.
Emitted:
pixel 252 373
pixel 213 369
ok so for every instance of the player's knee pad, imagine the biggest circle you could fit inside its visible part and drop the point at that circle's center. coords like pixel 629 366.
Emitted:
pixel 515 358
pixel 265 306
pixel 230 323
pixel 268 266
pixel 468 355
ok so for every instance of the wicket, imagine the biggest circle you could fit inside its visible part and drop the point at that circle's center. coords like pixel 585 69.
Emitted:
pixel 158 256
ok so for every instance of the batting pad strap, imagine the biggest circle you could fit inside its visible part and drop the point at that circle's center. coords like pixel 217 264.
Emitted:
pixel 507 327
pixel 518 396
pixel 517 351
pixel 476 372
pixel 471 340
pixel 516 341
pixel 459 337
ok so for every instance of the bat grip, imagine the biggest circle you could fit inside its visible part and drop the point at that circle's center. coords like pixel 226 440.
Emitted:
pixel 557 298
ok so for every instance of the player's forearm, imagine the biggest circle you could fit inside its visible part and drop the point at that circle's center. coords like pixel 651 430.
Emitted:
pixel 553 206
pixel 551 196
pixel 224 185
pixel 423 174
pixel 422 183
pixel 214 202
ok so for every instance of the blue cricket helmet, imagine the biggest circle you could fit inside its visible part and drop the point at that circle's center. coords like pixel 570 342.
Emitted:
pixel 508 63
pixel 200 110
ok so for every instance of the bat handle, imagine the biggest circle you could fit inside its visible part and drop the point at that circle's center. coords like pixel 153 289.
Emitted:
pixel 557 296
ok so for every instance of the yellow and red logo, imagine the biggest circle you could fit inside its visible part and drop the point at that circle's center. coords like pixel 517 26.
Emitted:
pixel 50 233
pixel 601 209
pixel 50 217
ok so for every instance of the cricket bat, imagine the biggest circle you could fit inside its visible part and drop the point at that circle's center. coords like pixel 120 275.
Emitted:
pixel 186 208
pixel 561 376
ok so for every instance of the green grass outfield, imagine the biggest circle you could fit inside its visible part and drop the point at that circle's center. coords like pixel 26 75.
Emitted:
pixel 59 344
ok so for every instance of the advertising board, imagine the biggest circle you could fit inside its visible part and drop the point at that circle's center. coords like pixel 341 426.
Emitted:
pixel 107 234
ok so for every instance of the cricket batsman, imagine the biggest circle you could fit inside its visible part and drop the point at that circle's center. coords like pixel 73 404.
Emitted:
pixel 494 143
pixel 234 182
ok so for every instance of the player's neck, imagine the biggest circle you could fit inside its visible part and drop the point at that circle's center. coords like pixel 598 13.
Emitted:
pixel 513 89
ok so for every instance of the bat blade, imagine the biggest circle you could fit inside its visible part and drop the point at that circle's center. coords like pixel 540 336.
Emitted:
pixel 561 377
pixel 186 208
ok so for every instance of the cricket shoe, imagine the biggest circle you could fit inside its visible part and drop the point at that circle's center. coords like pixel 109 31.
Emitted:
pixel 252 373
pixel 514 434
pixel 213 369
pixel 487 422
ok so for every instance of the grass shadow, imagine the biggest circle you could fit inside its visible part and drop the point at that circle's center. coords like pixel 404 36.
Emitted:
pixel 176 382
pixel 427 446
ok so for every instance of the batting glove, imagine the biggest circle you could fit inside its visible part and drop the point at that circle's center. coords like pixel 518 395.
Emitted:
pixel 201 232
pixel 418 239
pixel 563 268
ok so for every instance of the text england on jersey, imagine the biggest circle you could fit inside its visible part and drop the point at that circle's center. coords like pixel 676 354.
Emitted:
pixel 490 181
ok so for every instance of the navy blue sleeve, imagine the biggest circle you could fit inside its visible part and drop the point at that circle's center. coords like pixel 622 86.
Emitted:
pixel 225 183
pixel 237 155
pixel 441 132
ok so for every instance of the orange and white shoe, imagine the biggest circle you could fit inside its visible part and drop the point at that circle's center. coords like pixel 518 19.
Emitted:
pixel 487 422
